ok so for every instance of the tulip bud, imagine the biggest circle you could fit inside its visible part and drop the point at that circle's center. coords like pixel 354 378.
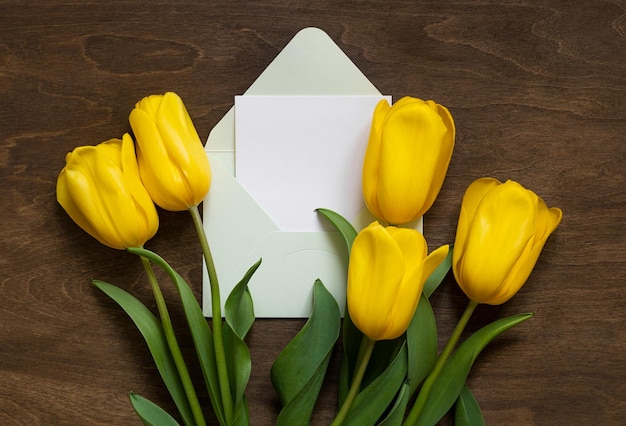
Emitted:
pixel 386 274
pixel 407 157
pixel 501 231
pixel 172 162
pixel 101 190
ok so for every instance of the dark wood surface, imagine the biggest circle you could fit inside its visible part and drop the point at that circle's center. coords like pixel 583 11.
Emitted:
pixel 538 93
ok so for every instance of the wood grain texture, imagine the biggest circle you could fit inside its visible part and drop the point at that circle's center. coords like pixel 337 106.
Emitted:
pixel 538 92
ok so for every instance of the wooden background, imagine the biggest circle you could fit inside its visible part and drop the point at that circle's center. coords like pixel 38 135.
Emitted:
pixel 538 93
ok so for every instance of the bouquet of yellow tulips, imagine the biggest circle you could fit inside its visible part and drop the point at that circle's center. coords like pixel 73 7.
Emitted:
pixel 392 372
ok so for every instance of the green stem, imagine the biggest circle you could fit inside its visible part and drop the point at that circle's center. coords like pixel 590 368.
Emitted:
pixel 216 307
pixel 422 397
pixel 365 353
pixel 173 345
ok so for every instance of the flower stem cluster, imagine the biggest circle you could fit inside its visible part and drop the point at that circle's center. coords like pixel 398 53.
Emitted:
pixel 501 231
pixel 110 190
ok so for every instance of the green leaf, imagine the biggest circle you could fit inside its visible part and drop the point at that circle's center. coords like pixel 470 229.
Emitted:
pixel 298 371
pixel 239 314
pixel 351 337
pixel 397 411
pixel 242 414
pixel 238 365
pixel 372 402
pixel 239 308
pixel 150 413
pixel 438 274
pixel 199 327
pixel 383 354
pixel 466 410
pixel 152 331
pixel 451 380
pixel 344 227
pixel 422 343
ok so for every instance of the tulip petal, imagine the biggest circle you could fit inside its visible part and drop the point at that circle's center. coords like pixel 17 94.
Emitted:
pixel 433 260
pixel 412 244
pixel 445 155
pixel 171 120
pixel 501 231
pixel 380 113
pixel 371 165
pixel 407 298
pixel 66 201
pixel 172 161
pixel 418 269
pixel 386 277
pixel 523 268
pixel 146 217
pixel 159 181
pixel 101 191
pixel 407 158
pixel 408 145
pixel 135 217
pixel 375 269
pixel 413 247
pixel 184 146
pixel 93 181
pixel 472 197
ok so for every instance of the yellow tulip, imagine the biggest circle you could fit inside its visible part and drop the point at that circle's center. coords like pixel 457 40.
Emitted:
pixel 172 161
pixel 407 157
pixel 386 274
pixel 501 231
pixel 101 190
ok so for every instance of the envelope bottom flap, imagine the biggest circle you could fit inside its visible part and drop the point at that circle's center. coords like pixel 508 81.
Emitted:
pixel 291 262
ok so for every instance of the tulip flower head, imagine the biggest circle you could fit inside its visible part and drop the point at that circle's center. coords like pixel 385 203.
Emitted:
pixel 386 274
pixel 407 157
pixel 501 231
pixel 101 190
pixel 172 161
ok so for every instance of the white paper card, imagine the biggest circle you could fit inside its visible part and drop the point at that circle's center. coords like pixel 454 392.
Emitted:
pixel 294 154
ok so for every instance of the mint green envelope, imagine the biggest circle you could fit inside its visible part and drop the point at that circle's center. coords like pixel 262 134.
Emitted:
pixel 239 230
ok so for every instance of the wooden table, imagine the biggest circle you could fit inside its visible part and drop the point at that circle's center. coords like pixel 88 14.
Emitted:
pixel 538 93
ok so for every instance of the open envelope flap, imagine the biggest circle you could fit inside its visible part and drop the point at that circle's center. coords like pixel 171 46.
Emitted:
pixel 310 64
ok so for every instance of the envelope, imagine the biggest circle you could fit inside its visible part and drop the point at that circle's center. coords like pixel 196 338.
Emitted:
pixel 240 231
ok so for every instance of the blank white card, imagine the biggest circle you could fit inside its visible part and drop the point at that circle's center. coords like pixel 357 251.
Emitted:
pixel 294 154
